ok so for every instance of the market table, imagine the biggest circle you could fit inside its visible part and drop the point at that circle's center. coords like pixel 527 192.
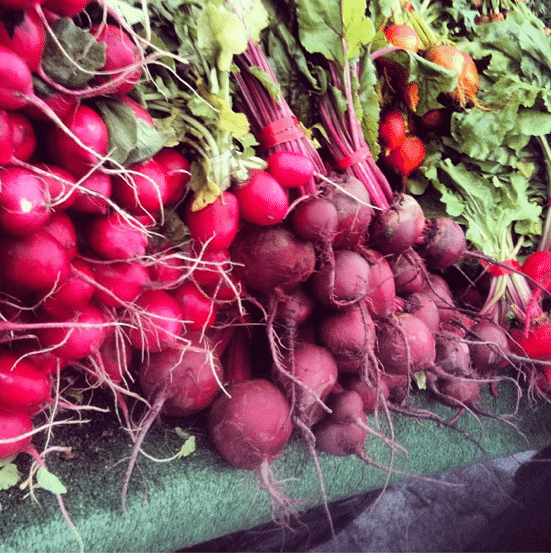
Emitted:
pixel 199 497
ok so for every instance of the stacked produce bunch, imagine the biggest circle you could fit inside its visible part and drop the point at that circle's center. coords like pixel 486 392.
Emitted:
pixel 178 187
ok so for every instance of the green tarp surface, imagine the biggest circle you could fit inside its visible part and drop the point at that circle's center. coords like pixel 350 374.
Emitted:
pixel 199 497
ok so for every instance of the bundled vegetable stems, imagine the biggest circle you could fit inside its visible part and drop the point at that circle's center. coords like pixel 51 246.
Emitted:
pixel 271 118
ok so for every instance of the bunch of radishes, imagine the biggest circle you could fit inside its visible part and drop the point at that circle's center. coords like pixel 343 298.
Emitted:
pixel 358 315
pixel 85 266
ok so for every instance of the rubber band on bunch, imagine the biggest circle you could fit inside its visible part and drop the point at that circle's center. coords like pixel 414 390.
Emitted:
pixel 280 131
pixel 355 157
pixel 500 270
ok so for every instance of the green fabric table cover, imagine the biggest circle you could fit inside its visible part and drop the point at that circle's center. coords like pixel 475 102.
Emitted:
pixel 196 498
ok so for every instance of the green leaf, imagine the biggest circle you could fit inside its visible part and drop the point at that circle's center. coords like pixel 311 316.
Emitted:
pixel 380 10
pixel 220 34
pixel 235 123
pixel 121 124
pixel 206 190
pixel 130 139
pixel 9 476
pixel 432 80
pixel 130 13
pixel 254 15
pixel 149 141
pixel 81 57
pixel 320 28
pixel 358 29
pixel 268 83
pixel 370 112
pixel 420 379
pixel 189 445
pixel 337 29
pixel 293 73
pixel 45 479
pixel 533 122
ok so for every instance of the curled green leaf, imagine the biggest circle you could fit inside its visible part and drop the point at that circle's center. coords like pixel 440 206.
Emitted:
pixel 49 481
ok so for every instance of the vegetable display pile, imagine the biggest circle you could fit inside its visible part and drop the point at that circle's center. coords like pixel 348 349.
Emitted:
pixel 292 217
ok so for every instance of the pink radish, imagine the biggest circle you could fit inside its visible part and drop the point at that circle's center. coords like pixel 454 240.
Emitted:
pixel 62 228
pixel 13 425
pixel 6 138
pixel 291 169
pixel 23 32
pixel 157 322
pixel 73 295
pixel 198 310
pixel 212 264
pixel 66 8
pixel 262 200
pixel 75 337
pixel 58 102
pixel 22 386
pixel 121 54
pixel 88 126
pixel 177 170
pixel 36 263
pixel 42 359
pixel 142 189
pixel 139 111
pixel 168 269
pixel 119 282
pixel 24 137
pixel 23 202
pixel 59 184
pixel 115 356
pixel 216 224
pixel 115 238
pixel 93 193
pixel 16 84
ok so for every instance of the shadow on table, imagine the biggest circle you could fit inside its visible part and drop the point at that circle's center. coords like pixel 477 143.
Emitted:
pixel 522 525
pixel 311 531
pixel 525 522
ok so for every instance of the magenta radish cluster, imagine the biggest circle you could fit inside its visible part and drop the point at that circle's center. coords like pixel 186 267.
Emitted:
pixel 85 279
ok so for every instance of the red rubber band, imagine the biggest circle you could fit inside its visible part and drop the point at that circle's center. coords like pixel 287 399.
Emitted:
pixel 355 157
pixel 497 270
pixel 280 131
